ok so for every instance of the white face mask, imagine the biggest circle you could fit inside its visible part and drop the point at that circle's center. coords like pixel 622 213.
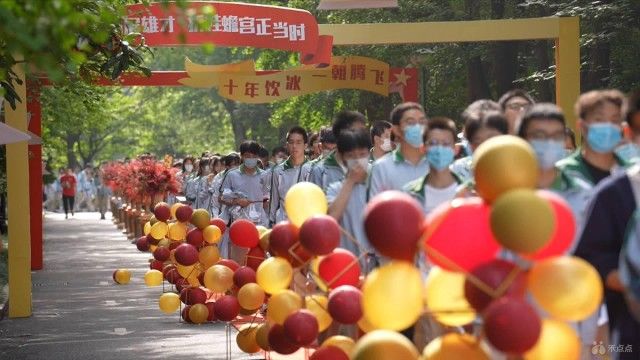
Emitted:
pixel 280 160
pixel 362 162
pixel 386 145
pixel 188 167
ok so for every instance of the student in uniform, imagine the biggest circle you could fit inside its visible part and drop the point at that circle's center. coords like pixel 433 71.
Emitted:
pixel 513 104
pixel 407 162
pixel 332 167
pixel 440 184
pixel 292 171
pixel 380 140
pixel 201 186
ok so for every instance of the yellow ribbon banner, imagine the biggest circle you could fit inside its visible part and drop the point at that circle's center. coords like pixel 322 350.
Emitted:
pixel 241 82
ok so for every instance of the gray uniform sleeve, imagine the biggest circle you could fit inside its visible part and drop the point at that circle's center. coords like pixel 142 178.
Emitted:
pixel 376 181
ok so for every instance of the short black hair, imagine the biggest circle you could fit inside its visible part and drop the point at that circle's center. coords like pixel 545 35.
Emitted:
pixel 231 158
pixel 298 130
pixel 187 158
pixel 632 108
pixel 264 152
pixel 568 133
pixel 490 119
pixel 327 135
pixel 353 139
pixel 278 149
pixel 472 116
pixel 398 111
pixel 539 111
pixel 313 138
pixel 344 119
pixel 504 99
pixel 378 128
pixel 441 123
pixel 250 146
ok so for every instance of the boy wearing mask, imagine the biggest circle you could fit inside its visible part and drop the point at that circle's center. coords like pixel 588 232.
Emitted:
pixel 381 140
pixel 407 162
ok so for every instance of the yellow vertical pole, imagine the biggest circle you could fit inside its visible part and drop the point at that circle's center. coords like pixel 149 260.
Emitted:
pixel 568 67
pixel 18 207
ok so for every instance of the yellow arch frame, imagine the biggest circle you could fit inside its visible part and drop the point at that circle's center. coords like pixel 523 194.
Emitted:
pixel 565 32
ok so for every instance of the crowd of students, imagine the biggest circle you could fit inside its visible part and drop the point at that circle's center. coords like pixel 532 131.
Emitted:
pixel 82 190
pixel 428 158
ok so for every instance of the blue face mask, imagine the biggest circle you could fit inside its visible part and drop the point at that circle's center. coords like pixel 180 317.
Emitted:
pixel 603 137
pixel 413 135
pixel 548 152
pixel 628 152
pixel 251 163
pixel 440 157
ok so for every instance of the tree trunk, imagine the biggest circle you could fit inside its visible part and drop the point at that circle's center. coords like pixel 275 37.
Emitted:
pixel 505 62
pixel 237 124
pixel 477 86
pixel 597 75
pixel 545 89
pixel 72 160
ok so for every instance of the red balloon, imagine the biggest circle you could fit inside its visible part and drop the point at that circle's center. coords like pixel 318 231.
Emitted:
pixel 345 304
pixel 186 254
pixel 185 314
pixel 183 213
pixel 301 327
pixel 161 253
pixel 512 325
pixel 459 235
pixel 282 237
pixel 156 265
pixel 494 274
pixel 162 211
pixel 211 307
pixel 193 295
pixel 142 244
pixel 394 224
pixel 320 234
pixel 231 264
pixel 173 245
pixel 255 257
pixel 227 308
pixel 244 233
pixel 181 284
pixel 329 353
pixel 340 267
pixel 280 342
pixel 565 231
pixel 151 240
pixel 244 275
pixel 195 237
pixel 221 224
pixel 172 276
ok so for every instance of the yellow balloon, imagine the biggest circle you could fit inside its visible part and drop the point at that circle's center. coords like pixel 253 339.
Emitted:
pixel 122 276
pixel 319 305
pixel 164 242
pixel 365 325
pixel 342 342
pixel 152 248
pixel 153 278
pixel 262 336
pixel 200 218
pixel 218 278
pixel 147 228
pixel 274 274
pixel 175 207
pixel 209 256
pixel 504 163
pixel 169 302
pixel 261 230
pixel 198 313
pixel 282 304
pixel 384 345
pixel 567 287
pixel 522 221
pixel 315 266
pixel 557 341
pixel 392 296
pixel 444 295
pixel 177 231
pixel 159 230
pixel 185 271
pixel 456 346
pixel 212 234
pixel 251 296
pixel 264 240
pixel 304 200
pixel 246 338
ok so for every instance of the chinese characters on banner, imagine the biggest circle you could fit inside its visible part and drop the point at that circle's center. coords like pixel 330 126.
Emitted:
pixel 233 24
pixel 241 82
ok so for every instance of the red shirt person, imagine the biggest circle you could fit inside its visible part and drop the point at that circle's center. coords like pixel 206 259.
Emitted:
pixel 68 183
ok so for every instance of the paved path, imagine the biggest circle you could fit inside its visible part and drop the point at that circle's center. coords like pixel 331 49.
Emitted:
pixel 79 313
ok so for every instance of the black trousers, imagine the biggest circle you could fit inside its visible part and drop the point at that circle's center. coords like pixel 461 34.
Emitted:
pixel 67 203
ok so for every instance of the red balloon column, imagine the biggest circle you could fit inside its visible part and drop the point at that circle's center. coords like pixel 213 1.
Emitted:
pixel 243 233
pixel 320 234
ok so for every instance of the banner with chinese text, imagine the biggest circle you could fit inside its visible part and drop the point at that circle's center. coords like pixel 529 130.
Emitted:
pixel 233 24
pixel 241 82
